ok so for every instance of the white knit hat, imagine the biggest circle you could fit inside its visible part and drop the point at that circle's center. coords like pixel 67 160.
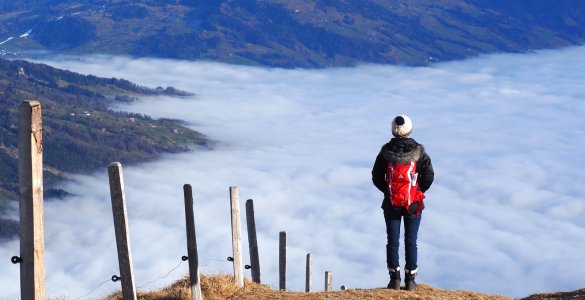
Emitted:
pixel 401 126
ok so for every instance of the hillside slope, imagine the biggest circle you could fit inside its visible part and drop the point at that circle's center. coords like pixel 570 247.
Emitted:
pixel 80 132
pixel 221 287
pixel 574 295
pixel 291 33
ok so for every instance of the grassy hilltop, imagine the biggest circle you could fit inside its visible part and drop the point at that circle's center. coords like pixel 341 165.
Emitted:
pixel 221 287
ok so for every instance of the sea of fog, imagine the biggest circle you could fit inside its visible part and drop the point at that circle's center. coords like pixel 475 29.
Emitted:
pixel 505 215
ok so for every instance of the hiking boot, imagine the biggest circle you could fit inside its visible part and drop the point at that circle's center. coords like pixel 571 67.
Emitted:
pixel 409 280
pixel 394 279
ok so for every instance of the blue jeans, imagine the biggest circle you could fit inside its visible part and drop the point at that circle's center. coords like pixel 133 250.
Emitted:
pixel 411 224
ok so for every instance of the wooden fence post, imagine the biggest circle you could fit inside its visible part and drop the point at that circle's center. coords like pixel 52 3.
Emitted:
pixel 328 281
pixel 192 245
pixel 30 176
pixel 309 273
pixel 236 237
pixel 282 260
pixel 252 241
pixel 122 232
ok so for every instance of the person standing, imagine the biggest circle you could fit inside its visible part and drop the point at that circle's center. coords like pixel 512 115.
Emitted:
pixel 403 172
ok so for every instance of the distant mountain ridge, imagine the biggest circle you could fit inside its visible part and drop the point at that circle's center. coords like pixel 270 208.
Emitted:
pixel 291 33
pixel 80 133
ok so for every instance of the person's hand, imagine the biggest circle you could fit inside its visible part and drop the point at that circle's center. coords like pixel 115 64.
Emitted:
pixel 413 208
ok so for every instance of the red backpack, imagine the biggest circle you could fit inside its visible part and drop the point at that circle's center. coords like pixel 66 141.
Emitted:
pixel 403 186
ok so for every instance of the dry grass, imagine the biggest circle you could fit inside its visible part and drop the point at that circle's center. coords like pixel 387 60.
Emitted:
pixel 574 295
pixel 221 287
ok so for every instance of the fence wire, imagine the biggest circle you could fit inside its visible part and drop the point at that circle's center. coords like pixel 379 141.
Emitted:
pixel 153 281
pixel 97 287
pixel 162 277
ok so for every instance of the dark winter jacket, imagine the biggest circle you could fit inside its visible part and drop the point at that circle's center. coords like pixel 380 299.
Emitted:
pixel 400 150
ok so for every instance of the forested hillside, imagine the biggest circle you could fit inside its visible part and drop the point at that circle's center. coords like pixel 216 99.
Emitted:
pixel 291 33
pixel 80 133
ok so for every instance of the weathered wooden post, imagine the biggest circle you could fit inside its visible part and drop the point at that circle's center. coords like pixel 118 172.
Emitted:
pixel 122 232
pixel 236 237
pixel 309 273
pixel 30 176
pixel 252 241
pixel 192 254
pixel 282 260
pixel 328 281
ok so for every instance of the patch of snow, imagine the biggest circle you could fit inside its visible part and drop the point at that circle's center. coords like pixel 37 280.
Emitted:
pixel 6 40
pixel 26 34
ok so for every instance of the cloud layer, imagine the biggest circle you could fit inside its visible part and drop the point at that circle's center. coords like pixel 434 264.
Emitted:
pixel 505 215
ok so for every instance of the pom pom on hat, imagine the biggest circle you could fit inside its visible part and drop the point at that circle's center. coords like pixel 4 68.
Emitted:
pixel 401 126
